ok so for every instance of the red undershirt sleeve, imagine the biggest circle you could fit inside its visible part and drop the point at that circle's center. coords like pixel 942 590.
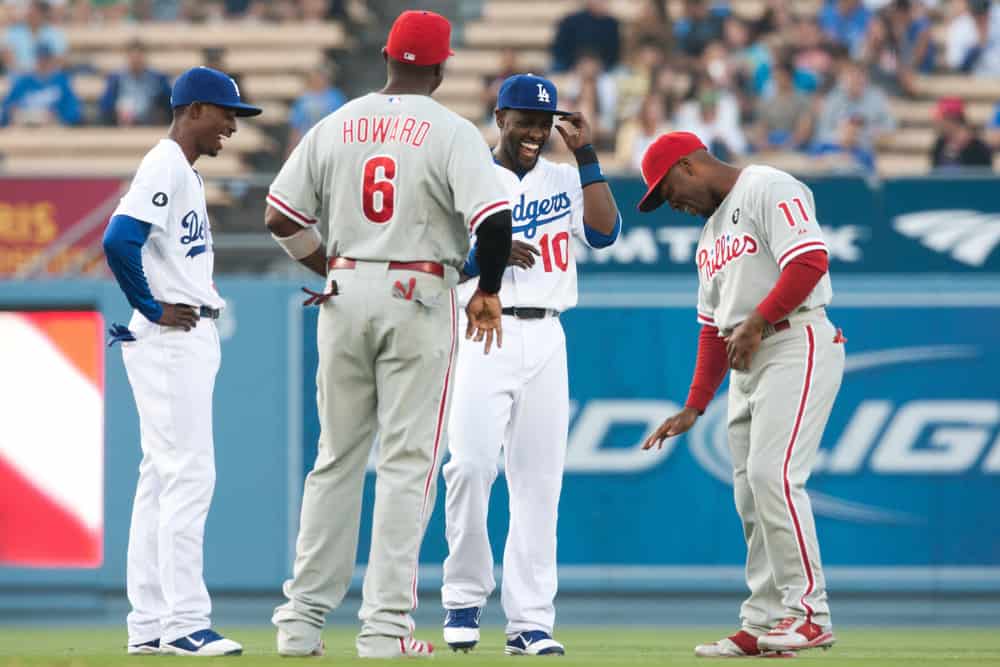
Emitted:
pixel 710 368
pixel 794 285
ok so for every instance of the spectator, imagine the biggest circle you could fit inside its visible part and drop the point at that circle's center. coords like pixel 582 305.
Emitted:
pixel 846 22
pixel 846 150
pixel 636 80
pixel 714 117
pixel 776 18
pixel 492 82
pixel 591 28
pixel 24 39
pixel 319 100
pixel 593 92
pixel 41 97
pixel 854 97
pixel 651 25
pixel 636 134
pixel 698 27
pixel 784 121
pixel 813 56
pixel 137 94
pixel 897 46
pixel 973 42
pixel 957 145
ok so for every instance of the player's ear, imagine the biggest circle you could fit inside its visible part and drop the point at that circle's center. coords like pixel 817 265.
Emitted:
pixel 500 116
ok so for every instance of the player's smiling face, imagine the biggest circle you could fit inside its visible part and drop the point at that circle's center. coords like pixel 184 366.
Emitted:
pixel 214 124
pixel 523 135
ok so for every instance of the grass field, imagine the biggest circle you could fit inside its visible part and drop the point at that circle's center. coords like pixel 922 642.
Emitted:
pixel 34 647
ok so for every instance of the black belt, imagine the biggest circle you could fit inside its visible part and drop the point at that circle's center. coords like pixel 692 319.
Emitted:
pixel 529 313
pixel 210 313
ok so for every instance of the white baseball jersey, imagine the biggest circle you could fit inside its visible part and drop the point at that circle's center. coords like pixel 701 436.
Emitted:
pixel 547 209
pixel 177 258
pixel 767 220
pixel 396 178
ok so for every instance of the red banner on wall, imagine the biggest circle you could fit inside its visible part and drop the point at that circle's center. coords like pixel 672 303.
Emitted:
pixel 54 225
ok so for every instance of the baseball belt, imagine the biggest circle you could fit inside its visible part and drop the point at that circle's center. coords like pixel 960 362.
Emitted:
pixel 529 313
pixel 433 268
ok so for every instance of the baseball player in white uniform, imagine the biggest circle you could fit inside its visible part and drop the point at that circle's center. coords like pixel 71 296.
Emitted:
pixel 763 288
pixel 159 246
pixel 524 407
pixel 401 182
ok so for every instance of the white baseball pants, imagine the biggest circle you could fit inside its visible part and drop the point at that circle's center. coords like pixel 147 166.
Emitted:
pixel 777 412
pixel 172 373
pixel 517 399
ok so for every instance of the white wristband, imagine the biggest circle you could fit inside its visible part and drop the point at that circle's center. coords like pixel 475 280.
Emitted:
pixel 301 244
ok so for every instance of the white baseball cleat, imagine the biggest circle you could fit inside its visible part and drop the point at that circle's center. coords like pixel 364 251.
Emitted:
pixel 205 642
pixel 533 642
pixel 796 634
pixel 395 647
pixel 152 647
pixel 461 628
pixel 741 645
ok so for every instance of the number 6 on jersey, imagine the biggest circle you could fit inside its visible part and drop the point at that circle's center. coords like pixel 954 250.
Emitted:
pixel 378 188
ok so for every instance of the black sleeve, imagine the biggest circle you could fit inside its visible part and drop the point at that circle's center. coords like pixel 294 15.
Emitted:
pixel 978 154
pixel 493 243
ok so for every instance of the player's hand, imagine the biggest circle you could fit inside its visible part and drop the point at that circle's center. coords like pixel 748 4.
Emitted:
pixel 484 313
pixel 575 131
pixel 679 423
pixel 178 315
pixel 743 342
pixel 522 255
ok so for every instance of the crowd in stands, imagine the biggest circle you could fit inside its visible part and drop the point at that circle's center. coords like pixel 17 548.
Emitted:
pixel 819 83
pixel 34 50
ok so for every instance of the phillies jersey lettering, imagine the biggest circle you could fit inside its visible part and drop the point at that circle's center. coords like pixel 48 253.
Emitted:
pixel 168 193
pixel 547 210
pixel 394 177
pixel 767 220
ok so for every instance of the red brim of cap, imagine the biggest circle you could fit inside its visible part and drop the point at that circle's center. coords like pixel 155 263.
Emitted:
pixel 652 200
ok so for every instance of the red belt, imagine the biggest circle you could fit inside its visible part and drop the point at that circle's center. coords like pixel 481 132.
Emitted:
pixel 772 329
pixel 433 268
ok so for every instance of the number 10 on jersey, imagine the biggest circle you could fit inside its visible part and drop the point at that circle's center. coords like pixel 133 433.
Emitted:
pixel 378 188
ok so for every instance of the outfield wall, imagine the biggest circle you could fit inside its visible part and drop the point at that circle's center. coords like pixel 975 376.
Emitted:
pixel 905 491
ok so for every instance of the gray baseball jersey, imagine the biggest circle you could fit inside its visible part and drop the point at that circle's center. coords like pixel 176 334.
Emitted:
pixel 395 178
pixel 767 220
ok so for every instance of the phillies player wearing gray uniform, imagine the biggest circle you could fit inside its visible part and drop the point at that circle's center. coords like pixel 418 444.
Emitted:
pixel 401 183
pixel 524 407
pixel 161 231
pixel 763 287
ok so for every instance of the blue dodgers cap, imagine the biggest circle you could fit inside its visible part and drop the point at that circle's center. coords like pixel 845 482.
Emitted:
pixel 204 84
pixel 528 92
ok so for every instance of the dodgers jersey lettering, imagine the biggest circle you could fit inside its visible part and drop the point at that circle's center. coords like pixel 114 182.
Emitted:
pixel 767 220
pixel 383 172
pixel 547 209
pixel 168 193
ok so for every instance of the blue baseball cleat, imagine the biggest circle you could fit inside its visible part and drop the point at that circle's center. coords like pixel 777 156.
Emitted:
pixel 533 642
pixel 461 628
pixel 205 642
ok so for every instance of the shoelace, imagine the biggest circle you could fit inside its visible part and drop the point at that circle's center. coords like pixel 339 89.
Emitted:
pixel 464 617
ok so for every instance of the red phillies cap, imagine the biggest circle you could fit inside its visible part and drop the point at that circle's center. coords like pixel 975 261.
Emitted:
pixel 949 107
pixel 659 158
pixel 420 38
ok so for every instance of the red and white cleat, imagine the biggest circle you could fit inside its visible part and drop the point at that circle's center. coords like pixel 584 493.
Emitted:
pixel 796 634
pixel 741 645
pixel 396 647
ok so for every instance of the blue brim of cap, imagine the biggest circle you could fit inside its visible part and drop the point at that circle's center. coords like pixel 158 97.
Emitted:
pixel 554 112
pixel 243 110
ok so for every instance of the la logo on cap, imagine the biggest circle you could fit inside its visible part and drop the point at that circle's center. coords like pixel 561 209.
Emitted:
pixel 543 95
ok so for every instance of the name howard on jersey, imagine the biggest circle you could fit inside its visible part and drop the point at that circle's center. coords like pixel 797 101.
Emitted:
pixel 530 215
pixel 195 227
pixel 386 129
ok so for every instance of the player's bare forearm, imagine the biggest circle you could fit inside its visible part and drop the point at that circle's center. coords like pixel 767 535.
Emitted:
pixel 600 212
pixel 283 227
pixel 316 262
